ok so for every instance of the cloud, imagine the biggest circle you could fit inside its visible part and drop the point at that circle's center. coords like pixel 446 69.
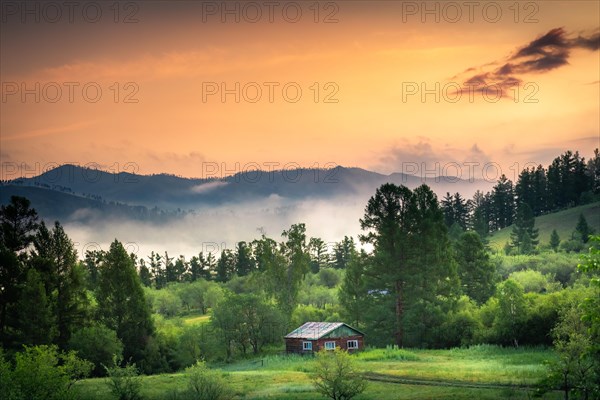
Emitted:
pixel 543 54
pixel 208 187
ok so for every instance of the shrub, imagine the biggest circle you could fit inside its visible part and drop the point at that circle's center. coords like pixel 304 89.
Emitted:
pixel 206 384
pixel 335 375
pixel 97 344
pixel 42 373
pixel 125 382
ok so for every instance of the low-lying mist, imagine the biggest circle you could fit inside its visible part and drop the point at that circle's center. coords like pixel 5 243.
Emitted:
pixel 215 228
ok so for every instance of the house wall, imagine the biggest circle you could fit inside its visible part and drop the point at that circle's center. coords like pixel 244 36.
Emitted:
pixel 340 342
pixel 295 345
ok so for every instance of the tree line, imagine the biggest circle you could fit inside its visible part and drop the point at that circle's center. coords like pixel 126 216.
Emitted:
pixel 568 181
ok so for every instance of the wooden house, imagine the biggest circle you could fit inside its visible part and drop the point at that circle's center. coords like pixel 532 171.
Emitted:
pixel 314 336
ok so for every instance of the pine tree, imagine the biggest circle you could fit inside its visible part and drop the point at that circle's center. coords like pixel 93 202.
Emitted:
pixel 225 266
pixel 503 203
pixel 121 302
pixel 55 259
pixel 244 264
pixel 18 223
pixel 524 236
pixel 412 269
pixel 342 252
pixel 476 272
pixel 318 254
pixel 583 230
pixel 37 322
pixel 145 275
pixel 554 240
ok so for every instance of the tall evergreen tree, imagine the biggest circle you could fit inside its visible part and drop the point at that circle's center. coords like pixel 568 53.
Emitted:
pixel 225 266
pixel 524 236
pixel 18 221
pixel 145 275
pixel 554 240
pixel 593 171
pixel 411 265
pixel 583 230
pixel 476 272
pixel 55 259
pixel 503 203
pixel 319 257
pixel 18 224
pixel 244 264
pixel 122 306
pixel 342 252
pixel 37 321
pixel 158 272
pixel 481 214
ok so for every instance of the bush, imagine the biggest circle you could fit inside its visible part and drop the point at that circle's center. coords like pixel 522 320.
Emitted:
pixel 335 375
pixel 535 281
pixel 125 382
pixel 206 384
pixel 42 373
pixel 97 344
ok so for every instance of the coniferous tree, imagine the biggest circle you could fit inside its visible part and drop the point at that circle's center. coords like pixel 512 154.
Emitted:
pixel 593 172
pixel 55 259
pixel 503 203
pixel 412 270
pixel 18 223
pixel 319 257
pixel 244 264
pixel 122 306
pixel 583 230
pixel 145 275
pixel 225 266
pixel 524 236
pixel 37 321
pixel 476 272
pixel 342 252
pixel 158 273
pixel 554 240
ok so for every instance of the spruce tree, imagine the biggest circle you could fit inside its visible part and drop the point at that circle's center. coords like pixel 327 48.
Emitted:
pixel 121 302
pixel 554 240
pixel 583 230
pixel 524 236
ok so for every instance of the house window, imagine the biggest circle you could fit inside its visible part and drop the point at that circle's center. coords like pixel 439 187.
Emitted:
pixel 352 344
pixel 329 345
pixel 307 346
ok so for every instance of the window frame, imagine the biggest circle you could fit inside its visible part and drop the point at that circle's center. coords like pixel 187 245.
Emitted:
pixel 307 345
pixel 353 341
pixel 328 345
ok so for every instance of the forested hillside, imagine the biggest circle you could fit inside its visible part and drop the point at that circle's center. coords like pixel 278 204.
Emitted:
pixel 427 281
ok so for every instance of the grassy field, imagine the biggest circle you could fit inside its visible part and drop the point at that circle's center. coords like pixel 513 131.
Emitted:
pixel 480 372
pixel 563 221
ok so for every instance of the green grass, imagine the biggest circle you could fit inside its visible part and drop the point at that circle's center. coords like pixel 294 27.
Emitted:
pixel 563 221
pixel 196 319
pixel 433 374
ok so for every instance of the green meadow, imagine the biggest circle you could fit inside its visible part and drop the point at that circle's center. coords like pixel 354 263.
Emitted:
pixel 478 372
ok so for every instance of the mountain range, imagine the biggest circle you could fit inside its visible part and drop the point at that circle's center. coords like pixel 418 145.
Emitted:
pixel 63 192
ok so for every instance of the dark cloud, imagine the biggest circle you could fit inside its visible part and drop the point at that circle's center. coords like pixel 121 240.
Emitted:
pixel 545 53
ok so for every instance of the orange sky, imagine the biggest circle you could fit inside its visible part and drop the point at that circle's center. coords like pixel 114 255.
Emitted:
pixel 365 59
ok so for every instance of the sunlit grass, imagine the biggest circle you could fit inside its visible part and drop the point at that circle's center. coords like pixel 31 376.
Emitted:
pixel 196 319
pixel 288 376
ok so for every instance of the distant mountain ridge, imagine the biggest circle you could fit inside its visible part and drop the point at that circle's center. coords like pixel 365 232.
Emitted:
pixel 65 189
